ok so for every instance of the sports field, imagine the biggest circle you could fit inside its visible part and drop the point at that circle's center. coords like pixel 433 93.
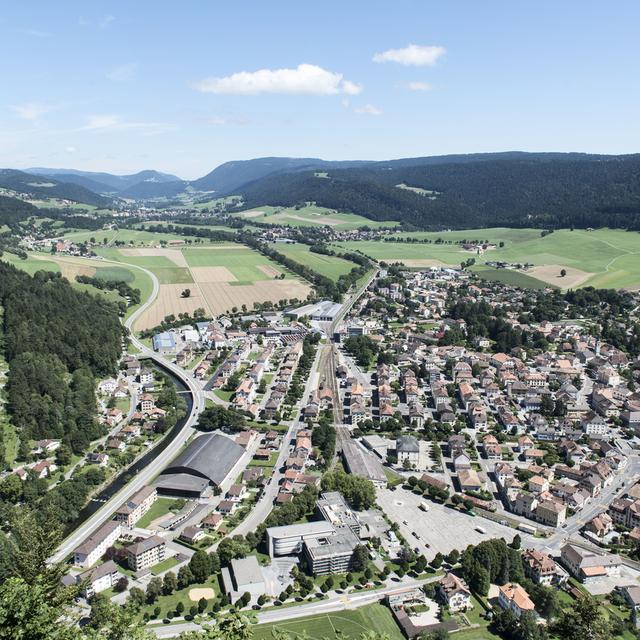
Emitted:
pixel 329 266
pixel 311 215
pixel 219 277
pixel 349 623
pixel 601 258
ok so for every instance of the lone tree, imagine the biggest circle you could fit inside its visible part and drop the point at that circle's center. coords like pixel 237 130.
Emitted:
pixel 186 293
pixel 563 273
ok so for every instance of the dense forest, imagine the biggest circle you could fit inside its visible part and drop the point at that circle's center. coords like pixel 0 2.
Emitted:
pixel 13 210
pixel 544 190
pixel 56 340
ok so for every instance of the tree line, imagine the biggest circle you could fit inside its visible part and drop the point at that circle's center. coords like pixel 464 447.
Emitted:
pixel 56 341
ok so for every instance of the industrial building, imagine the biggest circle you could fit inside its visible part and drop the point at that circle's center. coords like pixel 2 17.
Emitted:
pixel 323 311
pixel 164 343
pixel 205 463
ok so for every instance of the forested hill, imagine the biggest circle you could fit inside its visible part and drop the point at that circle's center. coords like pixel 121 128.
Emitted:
pixel 55 340
pixel 13 210
pixel 46 187
pixel 513 189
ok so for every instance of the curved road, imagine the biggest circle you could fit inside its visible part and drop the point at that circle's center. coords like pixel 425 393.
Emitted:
pixel 144 477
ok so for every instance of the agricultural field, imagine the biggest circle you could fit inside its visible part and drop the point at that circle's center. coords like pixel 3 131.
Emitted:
pixel 218 277
pixel 601 258
pixel 351 623
pixel 311 215
pixel 329 266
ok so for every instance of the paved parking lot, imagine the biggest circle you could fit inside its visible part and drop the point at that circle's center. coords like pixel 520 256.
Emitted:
pixel 443 529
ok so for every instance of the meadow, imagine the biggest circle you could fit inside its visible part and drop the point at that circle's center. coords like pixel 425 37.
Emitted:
pixel 351 623
pixel 311 215
pixel 136 237
pixel 606 258
pixel 329 266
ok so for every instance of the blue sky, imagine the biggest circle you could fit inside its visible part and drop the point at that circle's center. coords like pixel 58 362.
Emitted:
pixel 124 86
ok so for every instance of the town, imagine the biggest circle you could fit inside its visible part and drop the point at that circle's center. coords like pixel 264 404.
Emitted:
pixel 346 442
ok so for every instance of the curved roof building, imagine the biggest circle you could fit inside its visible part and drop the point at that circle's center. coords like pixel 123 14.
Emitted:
pixel 207 461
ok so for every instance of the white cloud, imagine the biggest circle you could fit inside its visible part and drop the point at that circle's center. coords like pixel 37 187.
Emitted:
pixel 369 110
pixel 106 21
pixel 102 122
pixel 305 79
pixel 414 55
pixel 351 88
pixel 70 149
pixel 419 86
pixel 123 72
pixel 35 33
pixel 31 110
pixel 222 121
pixel 109 123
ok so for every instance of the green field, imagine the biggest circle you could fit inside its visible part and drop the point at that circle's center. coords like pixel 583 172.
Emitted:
pixel 601 258
pixel 311 216
pixel 241 261
pixel 329 266
pixel 508 276
pixel 31 264
pixel 350 623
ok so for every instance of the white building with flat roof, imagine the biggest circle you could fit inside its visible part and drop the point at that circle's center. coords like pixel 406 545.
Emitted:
pixel 289 539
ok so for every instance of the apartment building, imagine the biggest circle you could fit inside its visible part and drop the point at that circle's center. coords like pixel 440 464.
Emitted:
pixel 96 545
pixel 146 553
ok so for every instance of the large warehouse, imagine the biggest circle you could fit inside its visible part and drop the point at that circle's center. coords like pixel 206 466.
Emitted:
pixel 205 463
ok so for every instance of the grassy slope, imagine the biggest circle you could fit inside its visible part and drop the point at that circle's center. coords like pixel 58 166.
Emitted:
pixel 611 255
pixel 330 266
pixel 313 216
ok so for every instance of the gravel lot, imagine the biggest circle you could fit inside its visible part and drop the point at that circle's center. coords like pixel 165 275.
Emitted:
pixel 443 529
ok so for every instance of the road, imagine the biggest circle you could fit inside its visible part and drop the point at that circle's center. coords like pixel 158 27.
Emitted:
pixel 146 475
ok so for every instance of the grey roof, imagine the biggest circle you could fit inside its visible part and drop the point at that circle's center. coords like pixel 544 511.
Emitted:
pixel 97 537
pixel 307 528
pixel 164 341
pixel 98 572
pixel 145 545
pixel 408 444
pixel 246 571
pixel 211 456
pixel 180 483
pixel 343 542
